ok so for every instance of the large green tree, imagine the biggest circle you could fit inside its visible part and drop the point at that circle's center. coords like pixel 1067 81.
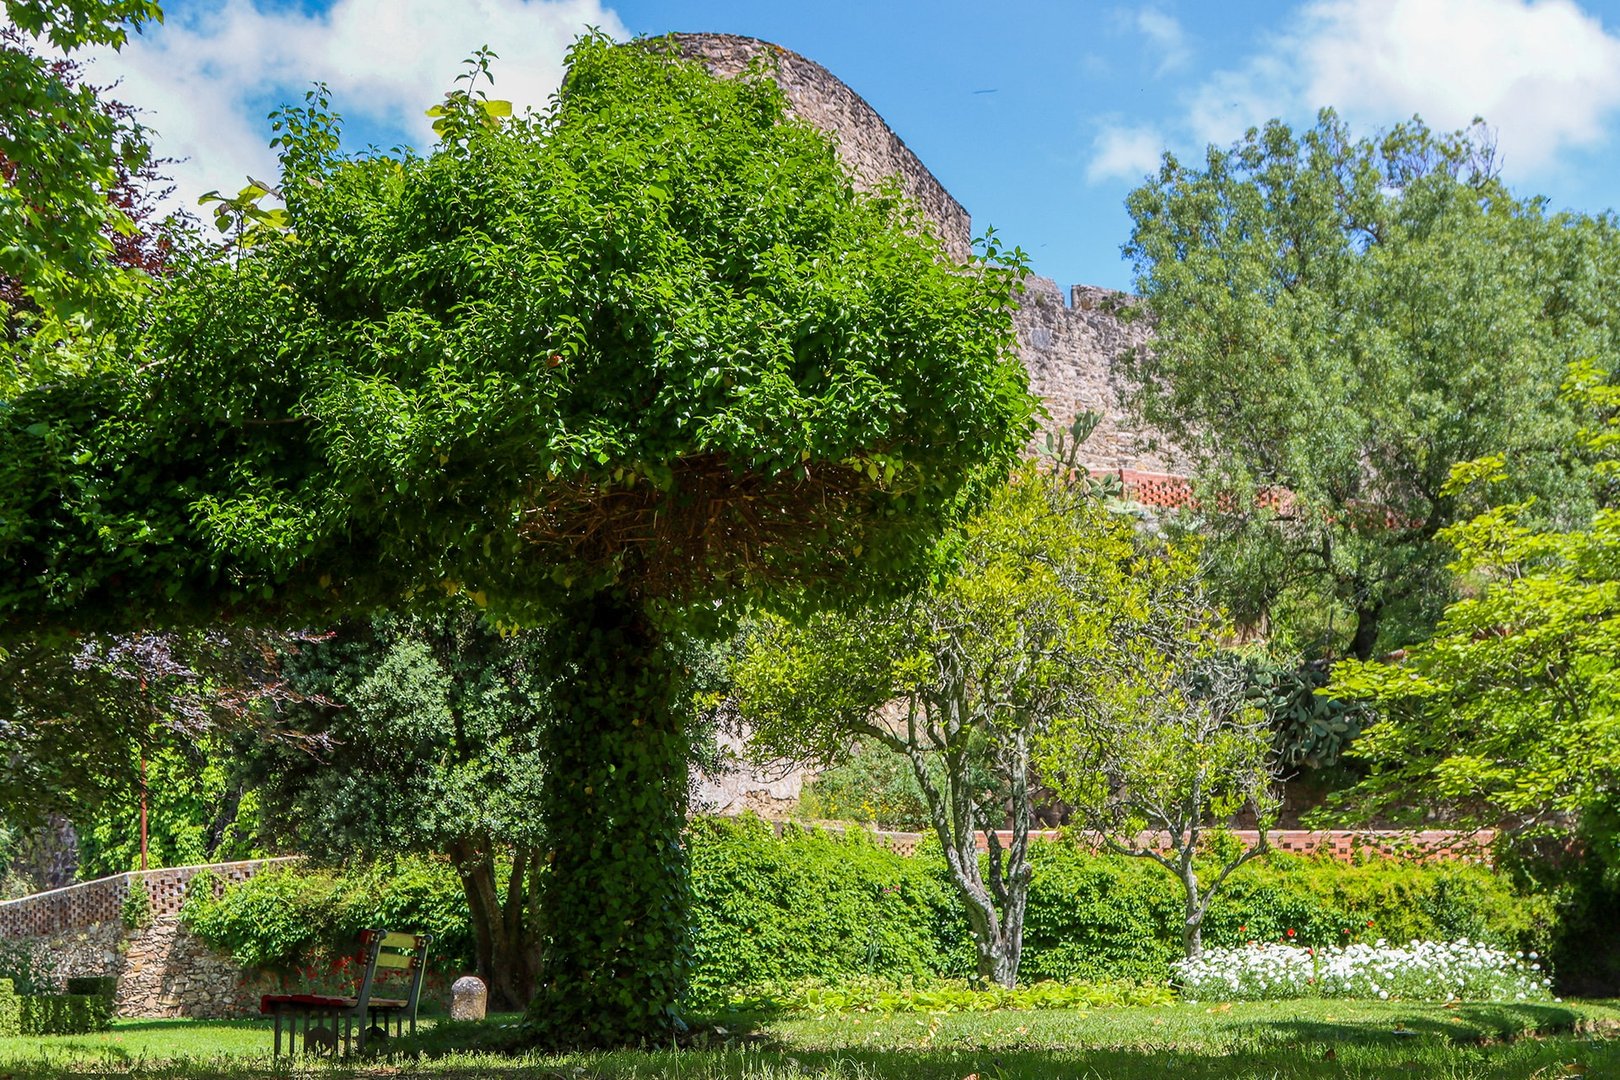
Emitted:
pixel 621 366
pixel 1337 322
pixel 1510 713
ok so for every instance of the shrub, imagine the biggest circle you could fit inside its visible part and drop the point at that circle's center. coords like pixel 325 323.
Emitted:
pixel 821 908
pixel 274 920
pixel 292 919
pixel 64 1014
pixel 814 905
pixel 1099 917
pixel 137 909
pixel 10 1010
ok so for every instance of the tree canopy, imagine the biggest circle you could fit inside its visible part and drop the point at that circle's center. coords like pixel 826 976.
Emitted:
pixel 1338 322
pixel 652 336
pixel 1509 714
pixel 601 366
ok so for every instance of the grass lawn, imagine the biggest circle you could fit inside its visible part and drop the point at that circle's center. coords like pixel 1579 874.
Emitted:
pixel 1262 1039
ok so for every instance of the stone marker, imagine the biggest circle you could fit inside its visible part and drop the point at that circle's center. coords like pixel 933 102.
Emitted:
pixel 468 998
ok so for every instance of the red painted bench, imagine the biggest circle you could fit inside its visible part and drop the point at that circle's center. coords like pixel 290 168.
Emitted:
pixel 333 1024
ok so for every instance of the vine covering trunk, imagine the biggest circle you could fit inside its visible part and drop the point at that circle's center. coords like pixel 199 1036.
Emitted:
pixel 614 901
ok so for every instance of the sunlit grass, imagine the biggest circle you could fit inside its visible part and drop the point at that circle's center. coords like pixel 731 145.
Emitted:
pixel 1299 1039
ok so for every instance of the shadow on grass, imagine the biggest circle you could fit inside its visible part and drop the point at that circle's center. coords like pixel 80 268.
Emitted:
pixel 181 1023
pixel 1466 1023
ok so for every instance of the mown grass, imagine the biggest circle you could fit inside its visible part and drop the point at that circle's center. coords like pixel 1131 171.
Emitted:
pixel 1272 1040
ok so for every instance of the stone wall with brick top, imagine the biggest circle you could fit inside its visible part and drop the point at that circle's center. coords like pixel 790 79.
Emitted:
pixel 163 970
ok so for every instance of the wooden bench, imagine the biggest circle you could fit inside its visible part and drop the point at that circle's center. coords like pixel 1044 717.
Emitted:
pixel 334 1024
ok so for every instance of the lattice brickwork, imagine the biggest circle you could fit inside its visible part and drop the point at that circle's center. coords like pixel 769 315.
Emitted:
pixel 1343 844
pixel 102 900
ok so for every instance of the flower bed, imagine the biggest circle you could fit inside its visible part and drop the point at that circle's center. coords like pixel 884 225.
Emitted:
pixel 1420 971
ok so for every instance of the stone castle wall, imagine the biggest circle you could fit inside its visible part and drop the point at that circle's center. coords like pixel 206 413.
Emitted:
pixel 1068 348
pixel 162 969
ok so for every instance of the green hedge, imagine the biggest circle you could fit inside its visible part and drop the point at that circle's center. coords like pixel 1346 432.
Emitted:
pixel 10 1010
pixel 827 907
pixel 1093 917
pixel 814 905
pixel 65 1014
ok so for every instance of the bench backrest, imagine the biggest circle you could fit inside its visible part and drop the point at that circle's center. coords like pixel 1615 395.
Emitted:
pixel 396 951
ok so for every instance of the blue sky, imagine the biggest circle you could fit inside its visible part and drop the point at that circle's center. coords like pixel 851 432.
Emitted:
pixel 1039 116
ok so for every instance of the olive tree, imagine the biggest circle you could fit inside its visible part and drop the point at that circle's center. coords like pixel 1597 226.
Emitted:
pixel 963 679
pixel 620 367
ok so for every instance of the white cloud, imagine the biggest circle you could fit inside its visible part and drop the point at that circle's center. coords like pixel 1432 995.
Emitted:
pixel 1543 73
pixel 1165 32
pixel 203 81
pixel 1122 152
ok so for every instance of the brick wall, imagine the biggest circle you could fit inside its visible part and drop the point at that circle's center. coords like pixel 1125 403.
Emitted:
pixel 1343 844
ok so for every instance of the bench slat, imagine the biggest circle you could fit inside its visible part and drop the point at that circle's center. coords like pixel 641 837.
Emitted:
pixel 395 960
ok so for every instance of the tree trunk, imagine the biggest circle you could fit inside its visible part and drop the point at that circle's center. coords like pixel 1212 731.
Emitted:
pixel 506 942
pixel 1366 636
pixel 614 903
pixel 1192 928
pixel 998 934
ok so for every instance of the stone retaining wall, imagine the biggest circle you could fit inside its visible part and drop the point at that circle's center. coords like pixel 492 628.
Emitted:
pixel 163 970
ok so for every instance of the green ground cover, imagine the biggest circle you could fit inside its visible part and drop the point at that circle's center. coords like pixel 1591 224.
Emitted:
pixel 1304 1039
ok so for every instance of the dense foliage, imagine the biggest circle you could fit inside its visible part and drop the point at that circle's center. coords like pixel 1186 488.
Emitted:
pixel 287 920
pixel 1337 322
pixel 652 336
pixel 819 909
pixel 1509 712
pixel 66 161
pixel 644 347
pixel 431 729
pixel 79 714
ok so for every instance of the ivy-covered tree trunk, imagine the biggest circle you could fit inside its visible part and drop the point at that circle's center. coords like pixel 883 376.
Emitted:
pixel 614 903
